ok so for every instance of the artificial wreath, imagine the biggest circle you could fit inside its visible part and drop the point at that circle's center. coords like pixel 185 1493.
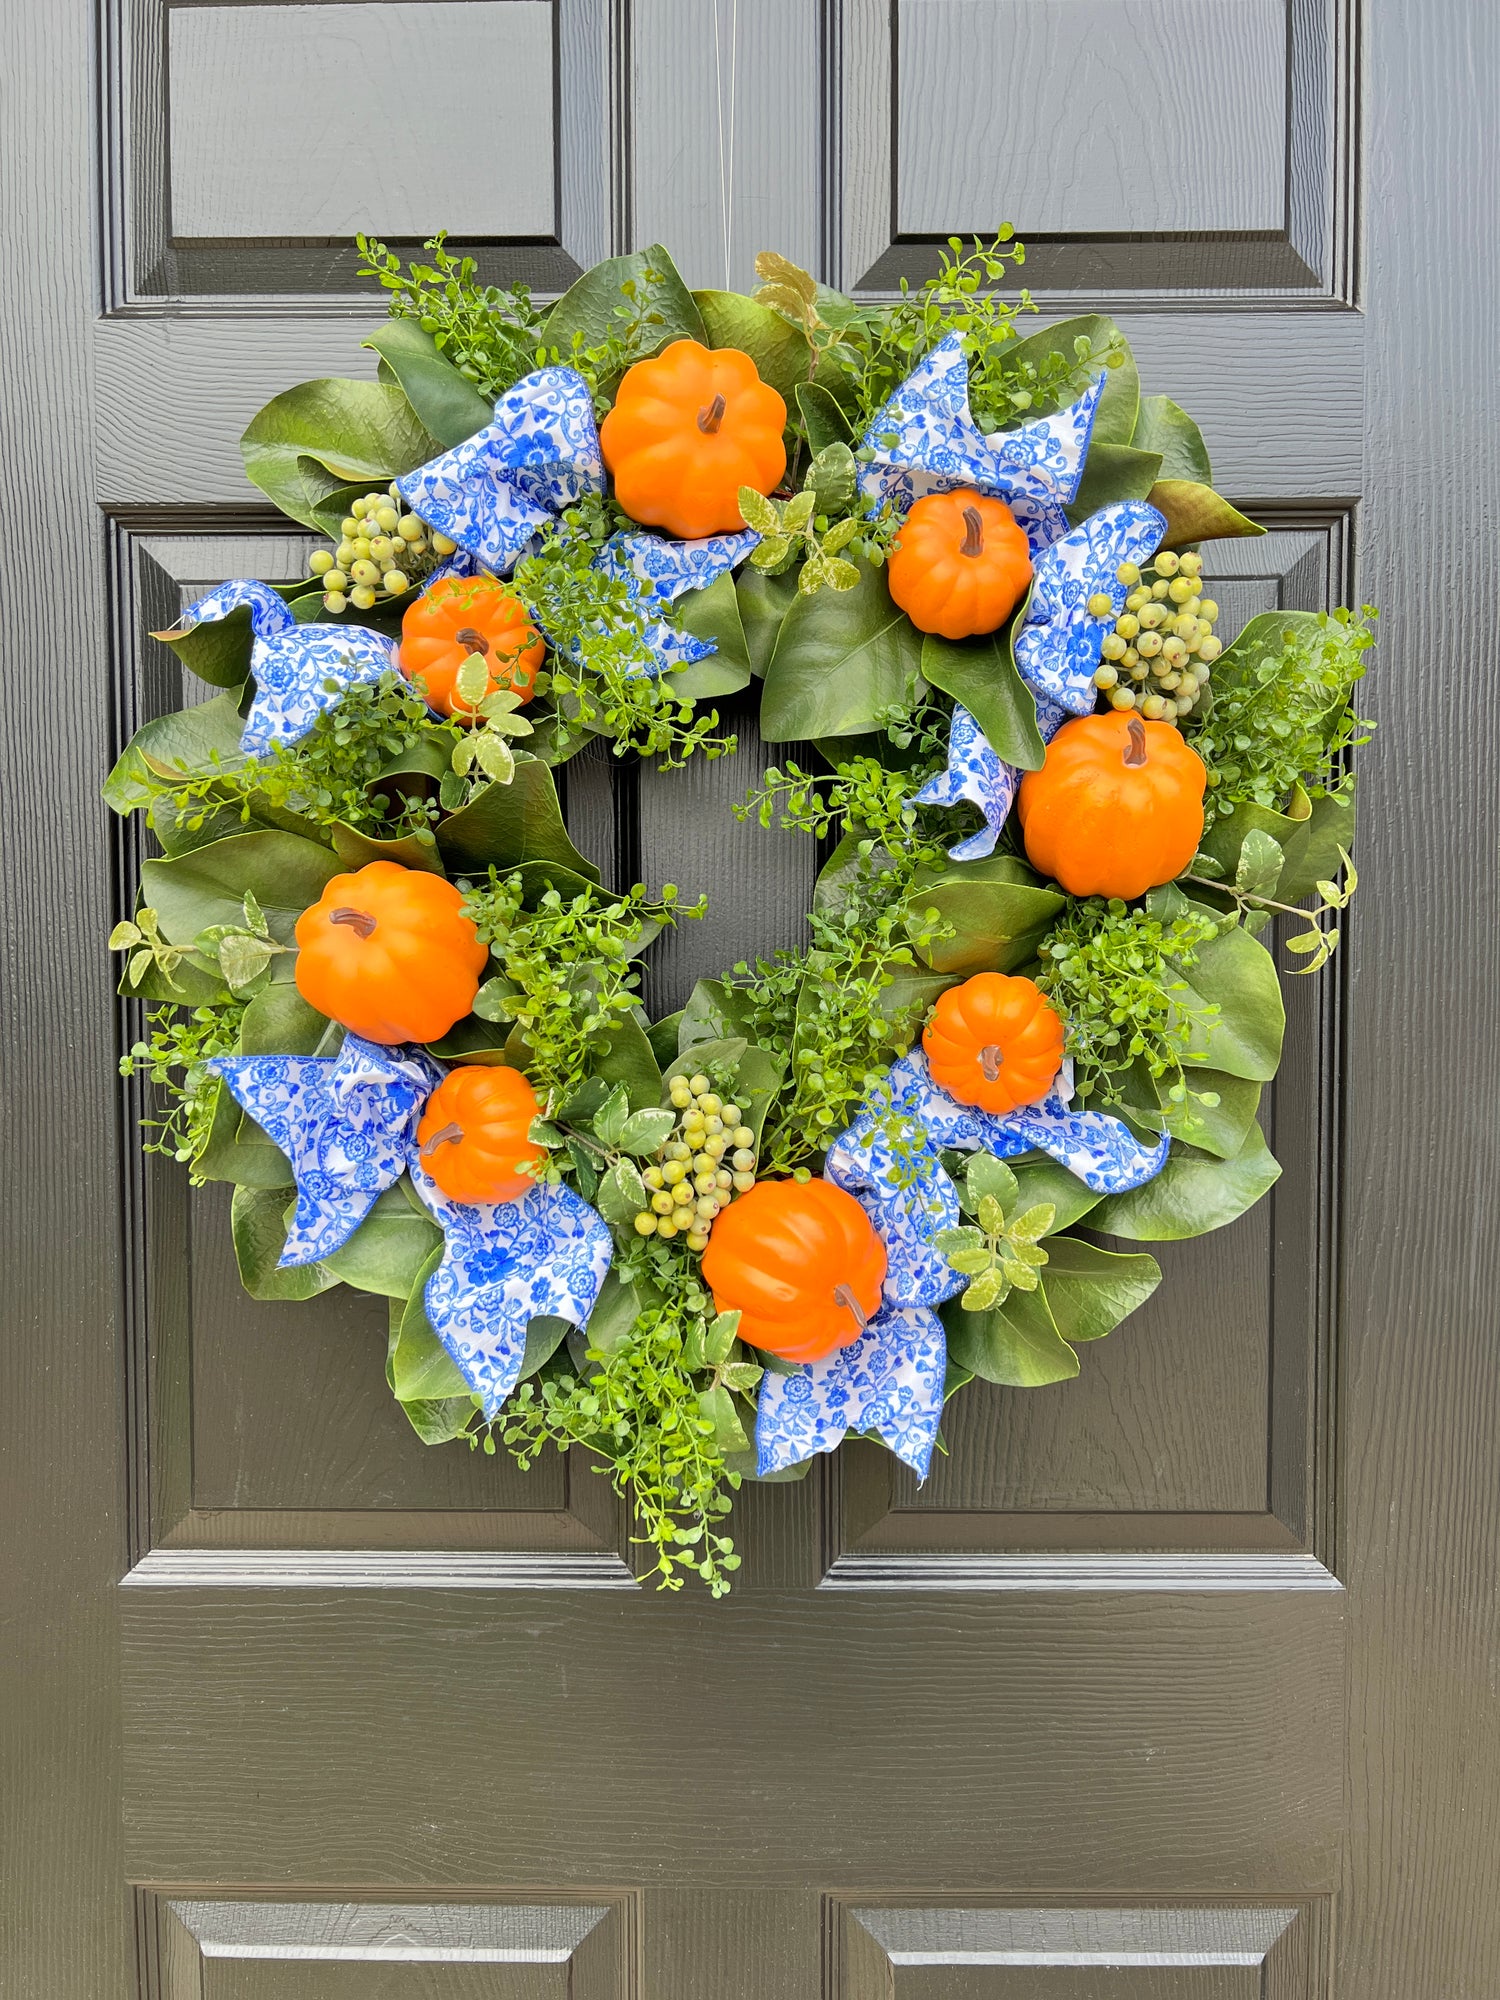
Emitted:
pixel 393 1004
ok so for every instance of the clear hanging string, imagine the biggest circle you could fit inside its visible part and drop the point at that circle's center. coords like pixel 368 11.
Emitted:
pixel 726 126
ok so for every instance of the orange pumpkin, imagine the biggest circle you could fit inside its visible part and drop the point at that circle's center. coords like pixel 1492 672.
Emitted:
pixel 460 616
pixel 960 565
pixel 994 1042
pixel 390 953
pixel 687 431
pixel 801 1262
pixel 474 1134
pixel 1116 808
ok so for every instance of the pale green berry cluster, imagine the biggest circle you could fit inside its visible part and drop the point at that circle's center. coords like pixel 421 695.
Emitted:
pixel 384 551
pixel 701 1168
pixel 1159 653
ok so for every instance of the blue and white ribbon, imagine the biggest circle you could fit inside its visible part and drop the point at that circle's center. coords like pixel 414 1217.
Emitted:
pixel 890 1381
pixel 925 440
pixel 494 492
pixel 505 1263
pixel 663 570
pixel 345 1122
pixel 300 671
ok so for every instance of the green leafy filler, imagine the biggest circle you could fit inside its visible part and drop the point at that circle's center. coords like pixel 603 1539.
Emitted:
pixel 1001 1249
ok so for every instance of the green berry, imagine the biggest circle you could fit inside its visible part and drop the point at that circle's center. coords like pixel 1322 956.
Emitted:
pixel 697 1239
pixel 1127 625
pixel 408 526
pixel 1136 599
pixel 442 546
pixel 1160 587
pixel 1153 708
pixel 335 601
pixel 1167 563
pixel 335 579
pixel 1173 652
pixel 320 562
pixel 387 520
pixel 645 1223
pixel 661 1201
pixel 1105 677
pixel 362 597
pixel 1149 645
pixel 1128 573
pixel 1210 648
pixel 1101 605
pixel 743 1160
pixel 667 1227
pixel 1121 697
pixel 1113 647
pixel 348 526
pixel 743 1182
pixel 652 1176
pixel 742 1136
pixel 396 582
pixel 1180 589
pixel 1190 565
pixel 1208 609
pixel 698 1085
pixel 359 508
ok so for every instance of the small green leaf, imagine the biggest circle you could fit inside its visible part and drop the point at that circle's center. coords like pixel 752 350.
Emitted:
pixel 989 1178
pixel 123 935
pixel 987 1290
pixel 610 1119
pixel 1033 1224
pixel 991 1214
pixel 1260 863
pixel 495 758
pixel 645 1132
pixel 243 959
pixel 759 513
pixel 622 1195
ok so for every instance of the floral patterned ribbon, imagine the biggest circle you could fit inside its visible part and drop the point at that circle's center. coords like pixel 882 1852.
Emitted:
pixel 925 440
pixel 890 1381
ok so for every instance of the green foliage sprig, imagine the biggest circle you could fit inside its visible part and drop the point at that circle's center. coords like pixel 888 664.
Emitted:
pixel 175 1057
pixel 1005 1250
pixel 1115 975
pixel 613 688
pixel 568 978
pixel 642 1408
pixel 1287 721
pixel 488 332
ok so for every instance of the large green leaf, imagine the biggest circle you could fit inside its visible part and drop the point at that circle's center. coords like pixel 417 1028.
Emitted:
pixel 1195 513
pixel 318 439
pixel 390 1248
pixel 763 604
pixel 1016 1344
pixel 823 417
pixel 628 1059
pixel 1310 845
pixel 591 305
pixel 1044 1180
pixel 449 408
pixel 1113 472
pixel 981 674
pixel 778 349
pixel 1089 1291
pixel 1115 420
pixel 1219 1128
pixel 715 1011
pixel 996 909
pixel 418 1367
pixel 841 657
pixel 258 1221
pixel 218 650
pixel 186 743
pixel 207 886
pixel 279 1022
pixel 356 849
pixel 713 615
pixel 1238 975
pixel 1165 427
pixel 1193 1193
pixel 508 824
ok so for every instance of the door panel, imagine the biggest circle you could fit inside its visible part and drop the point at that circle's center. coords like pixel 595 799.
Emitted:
pixel 1069 1720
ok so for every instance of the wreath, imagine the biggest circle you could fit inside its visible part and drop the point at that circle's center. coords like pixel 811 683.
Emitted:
pixel 392 1003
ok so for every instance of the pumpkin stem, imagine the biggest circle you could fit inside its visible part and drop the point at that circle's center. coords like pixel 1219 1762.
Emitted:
pixel 991 1056
pixel 844 1296
pixel 357 920
pixel 475 641
pixel 710 419
pixel 449 1132
pixel 973 542
pixel 1135 752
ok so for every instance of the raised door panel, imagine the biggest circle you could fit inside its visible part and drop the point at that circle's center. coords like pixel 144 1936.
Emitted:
pixel 1183 146
pixel 1228 1952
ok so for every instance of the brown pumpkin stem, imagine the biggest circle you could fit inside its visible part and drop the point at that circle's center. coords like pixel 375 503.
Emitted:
pixel 1135 750
pixel 710 419
pixel 357 920
pixel 973 541
pixel 453 1133
pixel 991 1056
pixel 475 641
pixel 844 1296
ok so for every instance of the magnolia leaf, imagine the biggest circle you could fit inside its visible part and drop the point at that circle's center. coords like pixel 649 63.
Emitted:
pixel 823 417
pixel 589 308
pixel 1047 1181
pixel 981 674
pixel 780 352
pixel 1193 1193
pixel 258 1223
pixel 1089 1291
pixel 1116 417
pixel 839 662
pixel 993 913
pixel 988 1178
pixel 1163 426
pixel 1016 1343
pixel 1195 513
pixel 311 442
pixel 389 1250
pixel 448 405
pixel 763 602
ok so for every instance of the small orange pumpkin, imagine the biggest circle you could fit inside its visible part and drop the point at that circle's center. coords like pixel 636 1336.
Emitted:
pixel 1116 808
pixel 687 431
pixel 960 565
pixel 389 952
pixel 994 1042
pixel 474 1135
pixel 463 615
pixel 801 1262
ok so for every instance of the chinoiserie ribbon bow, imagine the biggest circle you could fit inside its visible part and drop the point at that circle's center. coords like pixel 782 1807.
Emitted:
pixel 300 671
pixel 890 1381
pixel 344 1122
pixel 497 490
pixel 924 440
pixel 503 1264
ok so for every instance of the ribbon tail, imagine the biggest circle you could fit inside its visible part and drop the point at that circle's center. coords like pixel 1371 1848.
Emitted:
pixel 303 672
pixel 975 773
pixel 1059 643
pixel 889 1382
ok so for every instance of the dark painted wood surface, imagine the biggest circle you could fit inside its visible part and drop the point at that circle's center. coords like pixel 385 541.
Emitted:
pixel 1089 1713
